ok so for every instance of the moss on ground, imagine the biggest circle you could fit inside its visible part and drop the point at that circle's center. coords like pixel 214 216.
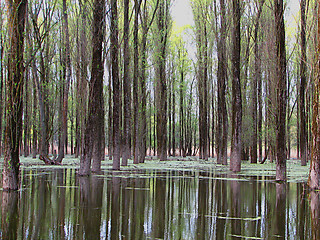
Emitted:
pixel 295 172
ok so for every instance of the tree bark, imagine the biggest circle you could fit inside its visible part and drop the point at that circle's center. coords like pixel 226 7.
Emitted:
pixel 303 79
pixel 126 88
pixel 235 159
pixel 281 92
pixel 116 85
pixel 222 126
pixel 137 4
pixel 314 173
pixel 95 118
pixel 15 83
pixel 161 85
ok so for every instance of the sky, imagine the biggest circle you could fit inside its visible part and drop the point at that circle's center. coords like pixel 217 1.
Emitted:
pixel 182 13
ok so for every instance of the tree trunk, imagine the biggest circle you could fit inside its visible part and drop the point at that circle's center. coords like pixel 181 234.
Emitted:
pixel 15 83
pixel 1 78
pixel 94 130
pixel 314 173
pixel 116 85
pixel 26 116
pixel 126 88
pixel 161 86
pixel 281 92
pixel 137 4
pixel 303 79
pixel 222 126
pixel 235 159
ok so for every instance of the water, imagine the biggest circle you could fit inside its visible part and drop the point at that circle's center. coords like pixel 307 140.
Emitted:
pixel 57 204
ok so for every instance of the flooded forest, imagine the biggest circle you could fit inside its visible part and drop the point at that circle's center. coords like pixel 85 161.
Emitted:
pixel 159 119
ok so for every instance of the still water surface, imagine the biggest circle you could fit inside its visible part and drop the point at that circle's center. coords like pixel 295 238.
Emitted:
pixel 57 204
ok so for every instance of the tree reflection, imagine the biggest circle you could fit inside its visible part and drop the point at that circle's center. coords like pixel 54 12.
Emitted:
pixel 315 214
pixel 280 210
pixel 91 190
pixel 10 216
pixel 235 208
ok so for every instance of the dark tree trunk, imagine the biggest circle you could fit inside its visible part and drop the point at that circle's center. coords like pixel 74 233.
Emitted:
pixel 26 117
pixel 161 85
pixel 126 88
pixel 137 4
pixel 95 118
pixel 314 173
pixel 1 79
pixel 34 122
pixel 15 83
pixel 116 85
pixel 303 79
pixel 236 143
pixel 281 92
pixel 181 113
pixel 222 126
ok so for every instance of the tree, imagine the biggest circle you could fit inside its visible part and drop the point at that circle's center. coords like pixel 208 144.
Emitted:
pixel 142 126
pixel 200 10
pixel 222 125
pixel 314 173
pixel 126 87
pixel 235 159
pixel 95 117
pixel 43 39
pixel 256 80
pixel 116 84
pixel 15 83
pixel 281 90
pixel 137 5
pixel 161 85
pixel 303 80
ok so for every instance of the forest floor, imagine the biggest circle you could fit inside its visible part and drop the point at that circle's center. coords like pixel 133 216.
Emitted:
pixel 295 172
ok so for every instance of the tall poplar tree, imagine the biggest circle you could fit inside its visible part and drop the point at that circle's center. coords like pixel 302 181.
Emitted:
pixel 15 83
pixel 116 84
pixel 281 91
pixel 95 117
pixel 235 159
pixel 314 173
pixel 161 83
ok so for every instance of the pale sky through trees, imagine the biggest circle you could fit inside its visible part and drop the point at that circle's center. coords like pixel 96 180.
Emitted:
pixel 182 13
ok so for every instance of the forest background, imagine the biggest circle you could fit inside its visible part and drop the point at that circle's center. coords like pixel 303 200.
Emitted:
pixel 122 78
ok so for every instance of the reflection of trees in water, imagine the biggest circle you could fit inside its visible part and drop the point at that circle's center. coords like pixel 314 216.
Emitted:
pixel 91 191
pixel 315 214
pixel 280 210
pixel 235 207
pixel 10 216
pixel 169 205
